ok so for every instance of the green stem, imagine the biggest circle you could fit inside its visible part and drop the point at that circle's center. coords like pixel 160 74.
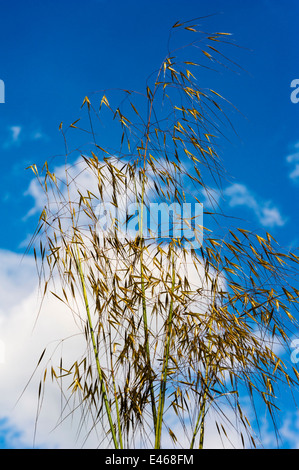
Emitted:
pixel 165 365
pixel 197 426
pixel 202 411
pixel 200 419
pixel 115 396
pixel 96 354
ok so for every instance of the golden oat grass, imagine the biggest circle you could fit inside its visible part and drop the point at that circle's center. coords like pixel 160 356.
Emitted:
pixel 171 331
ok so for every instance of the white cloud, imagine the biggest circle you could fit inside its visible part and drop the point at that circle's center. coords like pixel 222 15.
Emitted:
pixel 13 138
pixel 287 435
pixel 289 430
pixel 270 217
pixel 294 157
pixel 24 341
pixel 16 130
pixel 26 331
pixel 294 175
pixel 81 178
pixel 211 197
pixel 267 214
pixel 238 195
pixel 212 438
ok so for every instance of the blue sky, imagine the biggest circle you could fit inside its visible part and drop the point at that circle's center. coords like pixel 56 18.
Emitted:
pixel 53 54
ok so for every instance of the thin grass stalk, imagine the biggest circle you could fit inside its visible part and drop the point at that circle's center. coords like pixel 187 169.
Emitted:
pixel 204 404
pixel 200 423
pixel 144 308
pixel 117 411
pixel 202 411
pixel 116 402
pixel 95 350
pixel 196 428
pixel 165 364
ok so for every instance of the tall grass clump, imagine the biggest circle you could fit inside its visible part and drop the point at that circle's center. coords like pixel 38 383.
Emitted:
pixel 177 330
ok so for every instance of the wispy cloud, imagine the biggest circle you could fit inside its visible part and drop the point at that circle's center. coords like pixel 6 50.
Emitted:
pixel 239 195
pixel 38 135
pixel 294 175
pixel 18 134
pixel 24 341
pixel 267 214
pixel 13 137
pixel 211 197
pixel 16 130
pixel 293 159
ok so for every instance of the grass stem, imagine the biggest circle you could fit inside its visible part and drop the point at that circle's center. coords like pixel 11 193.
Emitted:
pixel 165 364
